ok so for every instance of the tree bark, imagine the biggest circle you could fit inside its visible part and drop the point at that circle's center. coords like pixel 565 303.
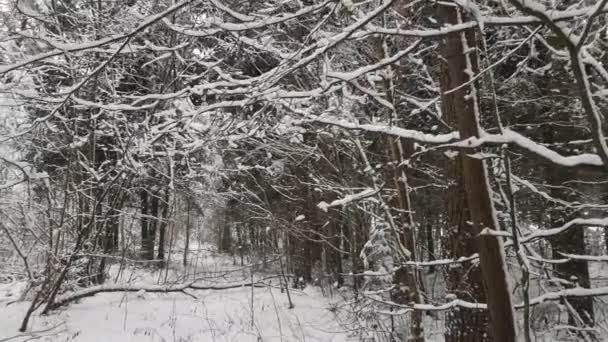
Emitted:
pixel 469 179
pixel 163 226
pixel 111 238
pixel 152 226
pixel 187 243
pixel 405 277
pixel 430 243
pixel 226 241
pixel 144 223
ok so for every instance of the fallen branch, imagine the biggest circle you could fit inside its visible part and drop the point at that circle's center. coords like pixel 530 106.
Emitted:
pixel 91 291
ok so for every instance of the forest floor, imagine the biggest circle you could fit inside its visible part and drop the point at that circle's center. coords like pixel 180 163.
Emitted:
pixel 199 315
pixel 243 313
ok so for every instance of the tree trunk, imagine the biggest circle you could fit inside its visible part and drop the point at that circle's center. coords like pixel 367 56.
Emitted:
pixel 152 226
pixel 407 280
pixel 336 255
pixel 405 277
pixel 241 247
pixel 187 242
pixel 226 242
pixel 163 226
pixel 469 178
pixel 606 240
pixel 144 224
pixel 111 238
pixel 430 243
pixel 465 281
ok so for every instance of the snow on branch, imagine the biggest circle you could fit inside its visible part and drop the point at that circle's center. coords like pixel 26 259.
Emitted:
pixel 514 138
pixel 440 262
pixel 554 231
pixel 347 199
pixel 324 45
pixel 113 106
pixel 546 233
pixel 554 15
pixel 220 25
pixel 231 12
pixel 575 46
pixel 392 130
pixel 455 303
pixel 575 292
pixel 548 197
pixel 451 140
pixel 592 258
pixel 427 33
pixel 349 76
pixel 96 43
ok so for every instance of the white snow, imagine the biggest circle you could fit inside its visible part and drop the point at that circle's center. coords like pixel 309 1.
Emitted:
pixel 214 316
pixel 195 315
pixel 347 199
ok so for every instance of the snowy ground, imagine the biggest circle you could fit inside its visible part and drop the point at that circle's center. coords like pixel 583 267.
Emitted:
pixel 217 315
pixel 214 315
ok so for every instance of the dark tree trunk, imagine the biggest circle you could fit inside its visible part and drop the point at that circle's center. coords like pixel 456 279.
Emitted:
pixel 152 226
pixel 464 282
pixel 111 238
pixel 469 180
pixel 187 242
pixel 312 250
pixel 357 239
pixel 163 226
pixel 144 224
pixel 336 256
pixel 241 247
pixel 405 277
pixel 226 242
pixel 307 262
pixel 430 242
pixel 253 243
pixel 606 240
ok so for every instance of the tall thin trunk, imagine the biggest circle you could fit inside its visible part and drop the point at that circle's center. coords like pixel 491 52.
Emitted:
pixel 226 240
pixel 152 226
pixel 430 243
pixel 187 242
pixel 469 179
pixel 241 247
pixel 605 240
pixel 163 226
pixel 144 223
pixel 111 237
pixel 336 259
pixel 405 277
